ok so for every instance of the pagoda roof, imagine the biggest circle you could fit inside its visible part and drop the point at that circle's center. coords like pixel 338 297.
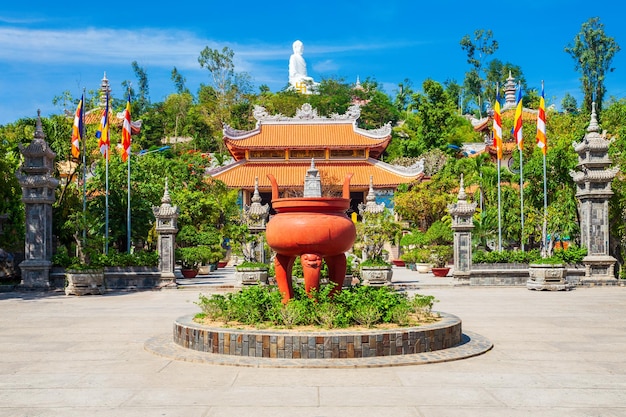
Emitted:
pixel 290 174
pixel 306 130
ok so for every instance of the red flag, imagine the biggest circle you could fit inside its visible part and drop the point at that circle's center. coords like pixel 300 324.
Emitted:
pixel 497 127
pixel 517 126
pixel 77 129
pixel 126 132
pixel 542 139
pixel 104 142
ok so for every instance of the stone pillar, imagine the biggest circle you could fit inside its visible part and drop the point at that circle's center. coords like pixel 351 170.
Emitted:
pixel 166 217
pixel 462 214
pixel 38 186
pixel 593 181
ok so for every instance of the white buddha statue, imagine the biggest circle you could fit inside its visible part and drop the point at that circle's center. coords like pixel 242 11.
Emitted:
pixel 298 77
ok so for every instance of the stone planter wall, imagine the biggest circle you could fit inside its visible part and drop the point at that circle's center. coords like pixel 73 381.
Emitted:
pixel 318 344
pixel 251 276
pixel 376 275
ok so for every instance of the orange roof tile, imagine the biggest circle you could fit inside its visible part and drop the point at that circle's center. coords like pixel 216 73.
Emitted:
pixel 291 174
pixel 306 136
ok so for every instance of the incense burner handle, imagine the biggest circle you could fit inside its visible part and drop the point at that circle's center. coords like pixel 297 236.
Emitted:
pixel 346 185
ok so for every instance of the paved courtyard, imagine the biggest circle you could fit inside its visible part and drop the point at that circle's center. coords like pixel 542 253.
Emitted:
pixel 555 354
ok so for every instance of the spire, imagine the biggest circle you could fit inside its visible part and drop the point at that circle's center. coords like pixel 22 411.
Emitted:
pixel 370 194
pixel 166 194
pixel 38 128
pixel 462 196
pixel 593 124
pixel 256 197
pixel 105 89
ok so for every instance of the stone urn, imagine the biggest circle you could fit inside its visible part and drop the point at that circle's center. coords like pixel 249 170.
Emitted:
pixel 251 275
pixel 313 228
pixel 547 277
pixel 83 282
pixel 376 276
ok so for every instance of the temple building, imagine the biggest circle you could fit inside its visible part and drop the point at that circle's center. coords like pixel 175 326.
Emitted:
pixel 286 146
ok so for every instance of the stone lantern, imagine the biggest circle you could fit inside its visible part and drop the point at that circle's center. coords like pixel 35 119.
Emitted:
pixel 462 213
pixel 38 186
pixel 166 217
pixel 593 181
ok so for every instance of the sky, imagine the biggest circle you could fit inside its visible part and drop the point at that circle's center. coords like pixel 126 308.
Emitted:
pixel 47 48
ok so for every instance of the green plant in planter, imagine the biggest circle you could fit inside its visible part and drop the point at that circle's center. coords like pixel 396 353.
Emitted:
pixel 249 264
pixel 194 256
pixel 440 255
pixel 373 232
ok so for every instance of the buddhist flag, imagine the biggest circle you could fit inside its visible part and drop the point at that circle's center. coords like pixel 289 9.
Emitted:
pixel 77 129
pixel 104 142
pixel 497 126
pixel 542 140
pixel 126 132
pixel 517 124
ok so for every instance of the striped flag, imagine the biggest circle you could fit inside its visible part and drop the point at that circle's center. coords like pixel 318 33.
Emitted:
pixel 104 142
pixel 517 125
pixel 497 126
pixel 542 139
pixel 126 132
pixel 77 129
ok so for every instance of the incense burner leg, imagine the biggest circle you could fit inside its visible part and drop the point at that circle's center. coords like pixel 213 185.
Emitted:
pixel 311 267
pixel 283 265
pixel 336 271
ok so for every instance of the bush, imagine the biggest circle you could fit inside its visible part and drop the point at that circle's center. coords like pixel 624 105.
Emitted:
pixel 261 306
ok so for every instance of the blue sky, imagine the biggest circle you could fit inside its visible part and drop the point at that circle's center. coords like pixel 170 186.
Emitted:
pixel 46 48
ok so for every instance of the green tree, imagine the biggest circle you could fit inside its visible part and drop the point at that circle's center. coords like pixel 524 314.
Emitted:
pixel 569 104
pixel 593 51
pixel 477 49
pixel 179 82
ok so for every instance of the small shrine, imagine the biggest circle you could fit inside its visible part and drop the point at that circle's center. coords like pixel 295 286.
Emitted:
pixel 38 186
pixel 593 181
pixel 462 213
pixel 285 147
pixel 166 217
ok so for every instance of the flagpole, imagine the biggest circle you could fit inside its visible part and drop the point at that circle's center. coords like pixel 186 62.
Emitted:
pixel 545 209
pixel 499 210
pixel 128 189
pixel 106 204
pixel 84 146
pixel 521 193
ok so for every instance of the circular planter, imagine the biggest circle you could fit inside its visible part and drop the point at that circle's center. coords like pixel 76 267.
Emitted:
pixel 293 344
pixel 440 272
pixel 422 268
pixel 189 273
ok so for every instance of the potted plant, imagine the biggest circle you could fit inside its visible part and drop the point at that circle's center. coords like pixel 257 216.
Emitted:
pixel 373 233
pixel 440 256
pixel 191 258
pixel 423 260
pixel 251 272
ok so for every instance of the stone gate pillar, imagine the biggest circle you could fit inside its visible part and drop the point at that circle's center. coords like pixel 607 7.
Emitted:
pixel 593 181
pixel 166 217
pixel 38 186
pixel 462 214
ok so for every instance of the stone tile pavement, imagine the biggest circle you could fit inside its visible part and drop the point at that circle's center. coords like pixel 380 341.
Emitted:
pixel 554 354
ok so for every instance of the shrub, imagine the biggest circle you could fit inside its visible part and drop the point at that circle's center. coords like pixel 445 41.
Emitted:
pixel 368 306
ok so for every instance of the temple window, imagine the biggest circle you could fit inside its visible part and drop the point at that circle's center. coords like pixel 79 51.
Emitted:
pixel 267 154
pixel 307 154
pixel 347 153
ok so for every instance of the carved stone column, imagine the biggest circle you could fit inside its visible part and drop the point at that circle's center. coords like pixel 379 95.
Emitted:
pixel 38 186
pixel 166 217
pixel 462 214
pixel 593 180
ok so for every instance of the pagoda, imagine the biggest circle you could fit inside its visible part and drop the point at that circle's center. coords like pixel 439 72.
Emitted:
pixel 285 146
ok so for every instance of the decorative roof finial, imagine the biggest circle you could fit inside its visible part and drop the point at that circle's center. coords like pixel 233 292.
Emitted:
pixel 38 128
pixel 462 196
pixel 256 197
pixel 370 194
pixel 166 194
pixel 593 124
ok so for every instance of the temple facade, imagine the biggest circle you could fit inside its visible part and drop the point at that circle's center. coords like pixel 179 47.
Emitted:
pixel 285 146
